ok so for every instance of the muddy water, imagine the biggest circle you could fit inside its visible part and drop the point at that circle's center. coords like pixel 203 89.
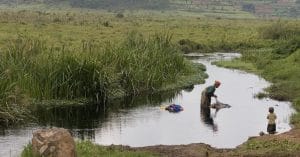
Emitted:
pixel 141 121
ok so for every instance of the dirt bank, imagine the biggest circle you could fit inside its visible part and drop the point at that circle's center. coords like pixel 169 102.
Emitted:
pixel 285 144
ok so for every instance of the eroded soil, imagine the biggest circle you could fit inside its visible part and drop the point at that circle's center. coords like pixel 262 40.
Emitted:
pixel 287 146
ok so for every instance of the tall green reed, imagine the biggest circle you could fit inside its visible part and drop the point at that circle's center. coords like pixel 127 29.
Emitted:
pixel 147 64
pixel 97 71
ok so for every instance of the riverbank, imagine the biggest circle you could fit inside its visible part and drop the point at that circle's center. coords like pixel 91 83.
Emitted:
pixel 282 72
pixel 286 144
pixel 281 66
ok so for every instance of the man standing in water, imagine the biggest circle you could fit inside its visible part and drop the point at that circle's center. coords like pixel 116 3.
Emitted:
pixel 206 95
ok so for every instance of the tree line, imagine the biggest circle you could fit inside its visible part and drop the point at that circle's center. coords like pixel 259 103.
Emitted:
pixel 100 4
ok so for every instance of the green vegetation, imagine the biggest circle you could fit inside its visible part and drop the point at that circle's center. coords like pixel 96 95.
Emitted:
pixel 69 55
pixel 83 56
pixel 278 63
pixel 270 147
pixel 237 64
pixel 88 149
pixel 96 72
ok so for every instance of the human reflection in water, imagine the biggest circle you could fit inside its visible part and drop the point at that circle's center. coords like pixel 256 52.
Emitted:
pixel 207 119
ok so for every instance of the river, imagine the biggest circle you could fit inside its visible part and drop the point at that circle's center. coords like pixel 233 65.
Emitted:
pixel 141 121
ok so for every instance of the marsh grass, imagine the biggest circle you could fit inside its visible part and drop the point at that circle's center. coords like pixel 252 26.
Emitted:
pixel 135 65
pixel 95 72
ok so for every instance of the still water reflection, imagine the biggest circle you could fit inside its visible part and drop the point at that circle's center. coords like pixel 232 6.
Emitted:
pixel 140 121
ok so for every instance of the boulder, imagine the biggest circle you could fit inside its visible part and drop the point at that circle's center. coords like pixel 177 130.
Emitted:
pixel 55 142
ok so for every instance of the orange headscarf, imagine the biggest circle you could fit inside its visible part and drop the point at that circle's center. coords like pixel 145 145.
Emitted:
pixel 217 82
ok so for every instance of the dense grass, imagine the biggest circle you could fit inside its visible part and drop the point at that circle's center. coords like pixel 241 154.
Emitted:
pixel 88 149
pixel 73 27
pixel 237 64
pixel 96 72
pixel 67 55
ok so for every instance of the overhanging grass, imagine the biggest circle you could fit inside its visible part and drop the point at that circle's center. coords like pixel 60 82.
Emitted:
pixel 94 72
pixel 134 66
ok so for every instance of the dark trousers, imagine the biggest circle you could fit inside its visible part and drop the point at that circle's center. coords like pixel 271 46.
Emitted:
pixel 271 128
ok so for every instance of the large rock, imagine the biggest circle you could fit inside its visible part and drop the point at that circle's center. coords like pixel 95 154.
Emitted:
pixel 55 142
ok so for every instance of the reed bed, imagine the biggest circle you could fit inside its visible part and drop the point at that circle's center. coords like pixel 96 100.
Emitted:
pixel 96 71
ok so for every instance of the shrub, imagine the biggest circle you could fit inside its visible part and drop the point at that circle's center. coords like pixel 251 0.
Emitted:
pixel 280 30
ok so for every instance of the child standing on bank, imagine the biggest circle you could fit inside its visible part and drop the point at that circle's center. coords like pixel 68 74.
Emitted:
pixel 271 123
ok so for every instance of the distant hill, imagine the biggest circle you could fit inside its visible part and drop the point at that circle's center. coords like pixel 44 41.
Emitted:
pixel 259 8
pixel 99 4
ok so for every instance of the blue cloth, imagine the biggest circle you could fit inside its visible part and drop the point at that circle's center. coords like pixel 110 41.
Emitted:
pixel 174 108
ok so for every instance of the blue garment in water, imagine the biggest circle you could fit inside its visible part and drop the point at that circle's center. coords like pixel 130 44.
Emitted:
pixel 174 108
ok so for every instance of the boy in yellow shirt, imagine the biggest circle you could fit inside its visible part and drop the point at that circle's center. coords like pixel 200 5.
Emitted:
pixel 271 123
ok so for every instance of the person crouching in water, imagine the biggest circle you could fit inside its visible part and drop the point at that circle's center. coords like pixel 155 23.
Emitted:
pixel 271 124
pixel 206 95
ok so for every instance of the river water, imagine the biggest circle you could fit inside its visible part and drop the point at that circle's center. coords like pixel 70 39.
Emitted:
pixel 141 121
